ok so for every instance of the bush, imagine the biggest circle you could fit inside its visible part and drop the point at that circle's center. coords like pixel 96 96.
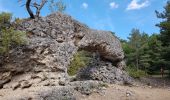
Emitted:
pixel 10 38
pixel 80 60
pixel 17 22
pixel 135 73
pixel 5 19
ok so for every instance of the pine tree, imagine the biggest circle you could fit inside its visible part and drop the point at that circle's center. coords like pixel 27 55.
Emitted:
pixel 134 43
pixel 144 53
pixel 165 25
pixel 165 33
pixel 155 52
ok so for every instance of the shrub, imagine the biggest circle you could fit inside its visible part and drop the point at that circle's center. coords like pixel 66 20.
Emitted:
pixel 10 38
pixel 80 60
pixel 17 22
pixel 135 73
pixel 5 19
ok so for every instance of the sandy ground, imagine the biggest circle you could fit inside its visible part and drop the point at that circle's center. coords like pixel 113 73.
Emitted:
pixel 113 92
pixel 158 89
pixel 117 92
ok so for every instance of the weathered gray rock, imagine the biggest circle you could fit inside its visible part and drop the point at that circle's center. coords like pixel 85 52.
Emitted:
pixel 86 87
pixel 64 93
pixel 107 45
pixel 104 71
pixel 5 78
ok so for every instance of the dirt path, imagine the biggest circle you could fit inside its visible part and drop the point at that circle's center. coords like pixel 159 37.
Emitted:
pixel 117 92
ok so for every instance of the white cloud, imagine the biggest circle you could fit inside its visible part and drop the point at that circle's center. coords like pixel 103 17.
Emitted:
pixel 134 4
pixel 113 5
pixel 85 5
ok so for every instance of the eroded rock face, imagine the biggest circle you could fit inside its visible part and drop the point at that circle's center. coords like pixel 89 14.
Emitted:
pixel 52 42
pixel 104 71
pixel 107 45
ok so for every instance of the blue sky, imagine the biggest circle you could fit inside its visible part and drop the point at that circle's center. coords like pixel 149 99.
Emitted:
pixel 119 16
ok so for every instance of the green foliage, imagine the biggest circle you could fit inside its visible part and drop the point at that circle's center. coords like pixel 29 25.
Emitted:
pixel 17 22
pixel 164 37
pixel 80 60
pixel 5 42
pixel 18 37
pixel 143 52
pixel 57 6
pixel 165 24
pixel 135 49
pixel 5 19
pixel 133 72
pixel 155 53
pixel 9 37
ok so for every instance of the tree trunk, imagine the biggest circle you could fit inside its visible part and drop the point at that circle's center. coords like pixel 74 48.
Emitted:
pixel 29 9
pixel 137 60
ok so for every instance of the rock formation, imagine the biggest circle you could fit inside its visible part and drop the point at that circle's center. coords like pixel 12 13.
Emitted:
pixel 52 42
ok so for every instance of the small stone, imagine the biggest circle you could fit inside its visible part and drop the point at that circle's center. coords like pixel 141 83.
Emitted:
pixel 104 88
pixel 150 86
pixel 128 93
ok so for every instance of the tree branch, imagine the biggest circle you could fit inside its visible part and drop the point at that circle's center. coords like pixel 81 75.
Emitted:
pixel 39 7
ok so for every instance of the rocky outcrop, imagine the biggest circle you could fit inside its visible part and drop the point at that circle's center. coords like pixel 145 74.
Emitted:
pixel 104 71
pixel 52 42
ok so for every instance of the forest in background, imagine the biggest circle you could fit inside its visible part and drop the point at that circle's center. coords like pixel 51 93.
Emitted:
pixel 147 55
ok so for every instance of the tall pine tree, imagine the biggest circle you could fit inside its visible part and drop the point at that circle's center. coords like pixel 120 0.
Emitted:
pixel 165 33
